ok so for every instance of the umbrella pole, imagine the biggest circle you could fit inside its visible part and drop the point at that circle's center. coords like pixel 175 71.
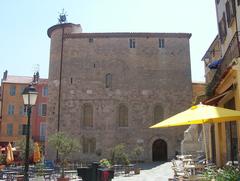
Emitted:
pixel 205 143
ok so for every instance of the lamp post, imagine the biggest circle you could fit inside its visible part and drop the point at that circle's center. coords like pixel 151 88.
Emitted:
pixel 29 98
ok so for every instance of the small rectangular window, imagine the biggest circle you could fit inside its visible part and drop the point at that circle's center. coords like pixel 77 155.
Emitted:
pixel 20 129
pixel 10 109
pixel 9 129
pixel 42 131
pixel 42 110
pixel 132 43
pixel 90 40
pixel 217 1
pixel 238 2
pixel 12 90
pixel 161 43
pixel 45 91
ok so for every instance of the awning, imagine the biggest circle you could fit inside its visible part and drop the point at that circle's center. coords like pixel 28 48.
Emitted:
pixel 215 99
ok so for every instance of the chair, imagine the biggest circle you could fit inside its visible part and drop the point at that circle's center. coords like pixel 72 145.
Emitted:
pixel 49 164
pixel 179 171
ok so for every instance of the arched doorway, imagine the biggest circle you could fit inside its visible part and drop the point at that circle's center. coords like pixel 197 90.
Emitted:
pixel 159 150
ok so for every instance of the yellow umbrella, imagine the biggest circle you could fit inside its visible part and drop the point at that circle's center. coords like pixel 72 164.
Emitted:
pixel 10 157
pixel 200 114
pixel 36 153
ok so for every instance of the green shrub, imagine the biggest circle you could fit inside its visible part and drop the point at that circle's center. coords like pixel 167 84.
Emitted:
pixel 119 155
pixel 2 159
pixel 228 173
pixel 137 153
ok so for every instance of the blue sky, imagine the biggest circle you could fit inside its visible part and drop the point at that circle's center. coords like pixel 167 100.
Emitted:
pixel 25 44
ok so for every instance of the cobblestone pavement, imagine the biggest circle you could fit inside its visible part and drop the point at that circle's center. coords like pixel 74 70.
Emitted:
pixel 149 172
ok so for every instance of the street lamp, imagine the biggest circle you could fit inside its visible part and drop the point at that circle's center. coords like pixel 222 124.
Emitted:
pixel 29 99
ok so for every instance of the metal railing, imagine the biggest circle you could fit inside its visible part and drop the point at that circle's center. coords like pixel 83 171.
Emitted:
pixel 231 53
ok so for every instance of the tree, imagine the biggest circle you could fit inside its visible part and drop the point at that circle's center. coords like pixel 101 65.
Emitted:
pixel 21 145
pixel 66 146
pixel 137 153
pixel 119 155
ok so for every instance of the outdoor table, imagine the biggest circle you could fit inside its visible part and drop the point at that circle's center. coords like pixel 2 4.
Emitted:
pixel 9 174
pixel 191 168
pixel 181 157
pixel 129 168
pixel 19 177
pixel 70 172
pixel 188 161
pixel 117 168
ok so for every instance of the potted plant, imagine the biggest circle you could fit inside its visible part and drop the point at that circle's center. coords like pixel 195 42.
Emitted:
pixel 104 163
pixel 137 153
pixel 120 157
pixel 65 145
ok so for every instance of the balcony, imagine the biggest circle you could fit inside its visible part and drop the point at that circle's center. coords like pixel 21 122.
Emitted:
pixel 231 53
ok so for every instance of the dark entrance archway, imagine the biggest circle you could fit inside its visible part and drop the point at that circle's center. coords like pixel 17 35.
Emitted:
pixel 159 150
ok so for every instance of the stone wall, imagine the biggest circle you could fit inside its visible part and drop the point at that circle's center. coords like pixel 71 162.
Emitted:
pixel 142 77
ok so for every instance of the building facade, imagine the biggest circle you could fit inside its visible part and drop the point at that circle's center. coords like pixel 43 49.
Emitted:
pixel 109 88
pixel 223 78
pixel 13 113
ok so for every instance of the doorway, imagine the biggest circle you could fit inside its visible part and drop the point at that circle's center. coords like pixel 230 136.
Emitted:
pixel 159 150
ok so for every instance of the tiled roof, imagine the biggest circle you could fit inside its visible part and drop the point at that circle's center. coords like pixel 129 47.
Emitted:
pixel 22 79
pixel 18 79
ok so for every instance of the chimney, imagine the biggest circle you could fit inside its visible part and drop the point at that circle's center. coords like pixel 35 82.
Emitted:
pixel 5 75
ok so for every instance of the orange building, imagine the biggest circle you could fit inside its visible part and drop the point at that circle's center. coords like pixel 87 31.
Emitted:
pixel 13 114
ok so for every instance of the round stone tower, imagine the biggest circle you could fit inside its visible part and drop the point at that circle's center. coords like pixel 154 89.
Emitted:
pixel 56 33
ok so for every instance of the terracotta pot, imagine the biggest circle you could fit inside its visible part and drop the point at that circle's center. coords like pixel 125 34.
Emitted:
pixel 2 167
pixel 137 170
pixel 63 179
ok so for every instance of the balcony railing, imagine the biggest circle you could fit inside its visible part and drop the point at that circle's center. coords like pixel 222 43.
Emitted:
pixel 231 53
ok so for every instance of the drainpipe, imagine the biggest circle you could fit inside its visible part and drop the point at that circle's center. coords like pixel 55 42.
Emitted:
pixel 60 86
pixel 60 81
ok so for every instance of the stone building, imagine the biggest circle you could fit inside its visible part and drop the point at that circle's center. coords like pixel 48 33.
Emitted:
pixel 109 88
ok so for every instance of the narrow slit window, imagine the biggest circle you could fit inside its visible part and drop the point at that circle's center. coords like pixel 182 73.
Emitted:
pixel 161 43
pixel 132 43
pixel 108 80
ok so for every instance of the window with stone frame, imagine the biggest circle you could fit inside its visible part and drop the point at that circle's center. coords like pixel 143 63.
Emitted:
pixel 230 11
pixel 238 2
pixel 222 28
pixel 89 145
pixel 132 43
pixel 122 116
pixel 87 115
pixel 158 113
pixel 108 81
